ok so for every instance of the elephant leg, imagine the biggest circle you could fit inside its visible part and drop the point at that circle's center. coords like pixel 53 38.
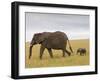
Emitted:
pixel 50 52
pixel 80 53
pixel 84 53
pixel 42 48
pixel 68 52
pixel 63 53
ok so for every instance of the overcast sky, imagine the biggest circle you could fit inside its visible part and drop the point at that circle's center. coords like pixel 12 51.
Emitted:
pixel 75 26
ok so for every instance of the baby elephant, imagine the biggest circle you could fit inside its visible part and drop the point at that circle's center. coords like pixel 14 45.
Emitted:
pixel 82 51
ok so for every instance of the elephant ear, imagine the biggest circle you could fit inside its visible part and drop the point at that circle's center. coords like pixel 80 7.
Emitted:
pixel 41 38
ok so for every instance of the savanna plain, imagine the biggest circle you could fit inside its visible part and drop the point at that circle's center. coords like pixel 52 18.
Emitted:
pixel 58 60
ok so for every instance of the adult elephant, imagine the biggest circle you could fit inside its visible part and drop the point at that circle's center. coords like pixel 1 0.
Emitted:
pixel 50 40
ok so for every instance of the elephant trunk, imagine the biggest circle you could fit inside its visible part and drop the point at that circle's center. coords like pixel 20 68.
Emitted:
pixel 30 51
pixel 30 48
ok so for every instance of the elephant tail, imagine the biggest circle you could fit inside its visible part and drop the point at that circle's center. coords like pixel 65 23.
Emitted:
pixel 69 45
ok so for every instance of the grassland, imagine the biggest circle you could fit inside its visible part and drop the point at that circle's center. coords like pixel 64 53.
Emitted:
pixel 58 60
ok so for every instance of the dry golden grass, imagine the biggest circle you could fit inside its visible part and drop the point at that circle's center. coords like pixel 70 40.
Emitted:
pixel 58 60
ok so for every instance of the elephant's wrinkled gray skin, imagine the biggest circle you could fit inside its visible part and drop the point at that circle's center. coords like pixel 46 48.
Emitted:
pixel 82 51
pixel 50 40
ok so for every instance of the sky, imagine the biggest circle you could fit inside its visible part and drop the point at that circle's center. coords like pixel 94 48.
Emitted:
pixel 75 26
